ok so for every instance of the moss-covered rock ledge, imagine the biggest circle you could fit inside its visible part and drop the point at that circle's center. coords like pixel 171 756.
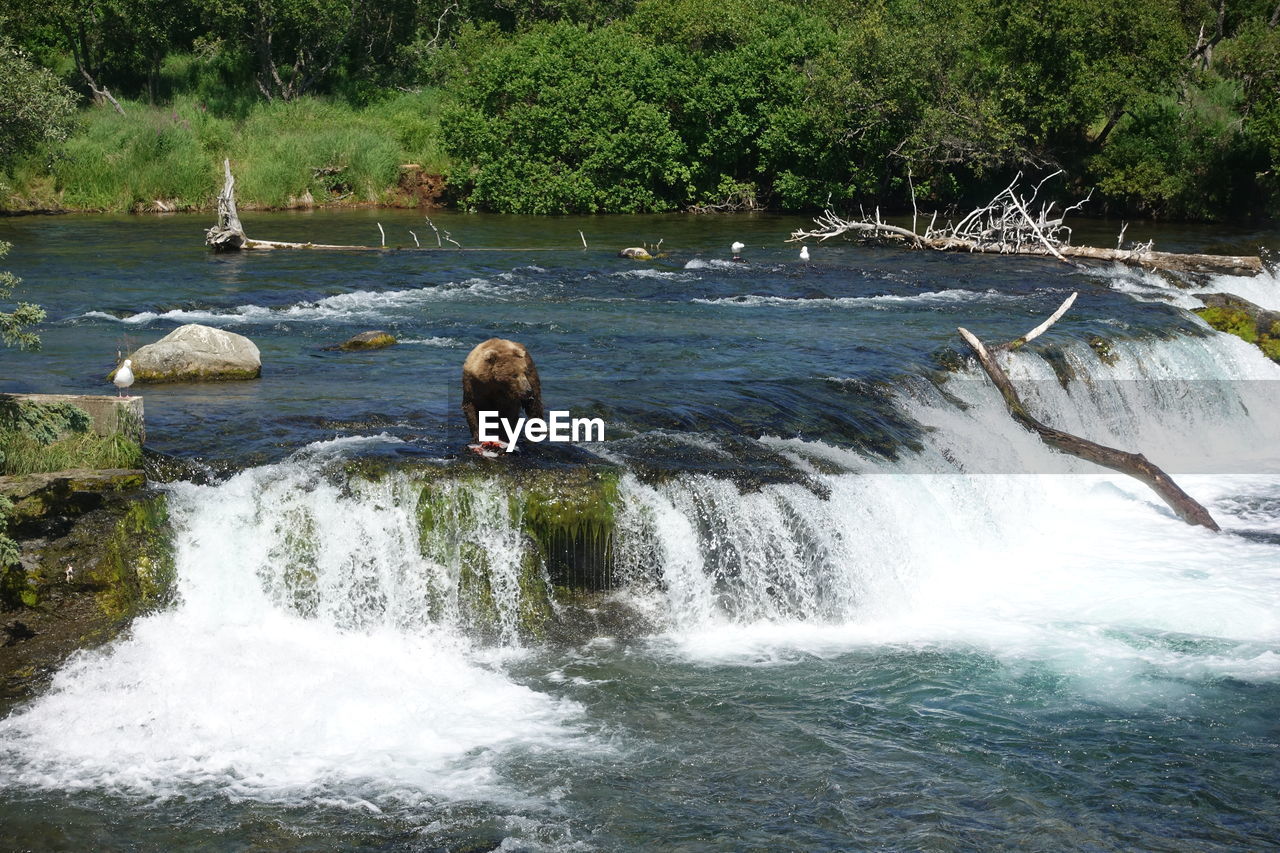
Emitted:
pixel 84 543
pixel 565 520
pixel 531 543
pixel 1240 317
pixel 85 552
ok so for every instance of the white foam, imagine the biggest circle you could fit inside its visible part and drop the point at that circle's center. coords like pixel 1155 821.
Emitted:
pixel 711 263
pixel 1067 564
pixel 1262 290
pixel 1143 285
pixel 432 342
pixel 312 658
pixel 357 306
pixel 886 301
pixel 646 272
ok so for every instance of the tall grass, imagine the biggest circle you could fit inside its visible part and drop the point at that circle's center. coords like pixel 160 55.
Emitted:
pixel 310 145
pixel 25 455
pixel 43 437
pixel 279 151
pixel 119 162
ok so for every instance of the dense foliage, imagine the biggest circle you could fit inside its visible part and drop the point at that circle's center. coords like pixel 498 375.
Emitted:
pixel 14 324
pixel 1168 107
pixel 35 108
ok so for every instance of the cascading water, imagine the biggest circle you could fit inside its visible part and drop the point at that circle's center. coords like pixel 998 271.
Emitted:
pixel 313 603
pixel 957 544
pixel 316 651
pixel 975 616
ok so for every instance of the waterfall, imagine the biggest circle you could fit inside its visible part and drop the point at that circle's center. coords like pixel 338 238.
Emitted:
pixel 348 632
pixel 317 646
pixel 959 542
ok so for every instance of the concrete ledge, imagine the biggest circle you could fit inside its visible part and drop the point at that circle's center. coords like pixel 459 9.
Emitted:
pixel 110 415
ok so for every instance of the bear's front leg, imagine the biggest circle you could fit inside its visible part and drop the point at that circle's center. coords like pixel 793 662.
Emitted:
pixel 473 420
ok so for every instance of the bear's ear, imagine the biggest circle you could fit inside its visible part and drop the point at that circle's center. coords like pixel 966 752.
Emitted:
pixel 491 357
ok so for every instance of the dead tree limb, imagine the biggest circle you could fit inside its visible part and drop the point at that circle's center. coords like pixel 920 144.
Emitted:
pixel 1007 225
pixel 228 234
pixel 1134 464
pixel 100 93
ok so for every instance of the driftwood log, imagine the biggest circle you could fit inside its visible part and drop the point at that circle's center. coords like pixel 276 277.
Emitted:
pixel 1134 464
pixel 228 234
pixel 1006 225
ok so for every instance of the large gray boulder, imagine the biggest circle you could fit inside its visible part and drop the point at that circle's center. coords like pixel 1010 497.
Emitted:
pixel 194 353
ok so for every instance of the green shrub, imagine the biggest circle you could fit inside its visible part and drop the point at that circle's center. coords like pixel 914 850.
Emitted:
pixel 44 437
pixel 1179 157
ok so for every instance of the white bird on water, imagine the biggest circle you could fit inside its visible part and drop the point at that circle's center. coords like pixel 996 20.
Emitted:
pixel 804 254
pixel 124 377
pixel 738 247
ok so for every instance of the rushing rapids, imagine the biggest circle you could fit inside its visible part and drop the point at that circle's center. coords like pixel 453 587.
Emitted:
pixel 310 595
pixel 723 636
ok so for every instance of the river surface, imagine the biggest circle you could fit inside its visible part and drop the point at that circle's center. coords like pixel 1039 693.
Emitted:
pixel 887 617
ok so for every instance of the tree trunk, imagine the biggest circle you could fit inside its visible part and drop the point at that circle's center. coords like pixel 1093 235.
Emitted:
pixel 228 235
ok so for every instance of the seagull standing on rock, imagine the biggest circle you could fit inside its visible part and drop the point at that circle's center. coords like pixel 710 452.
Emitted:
pixel 804 254
pixel 737 250
pixel 124 377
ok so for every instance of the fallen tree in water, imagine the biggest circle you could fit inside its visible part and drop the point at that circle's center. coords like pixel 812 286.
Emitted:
pixel 1006 226
pixel 228 234
pixel 1134 464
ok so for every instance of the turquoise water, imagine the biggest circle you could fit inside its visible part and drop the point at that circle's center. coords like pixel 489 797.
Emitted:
pixel 882 616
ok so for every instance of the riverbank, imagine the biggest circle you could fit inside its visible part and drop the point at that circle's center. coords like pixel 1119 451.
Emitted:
pixel 311 152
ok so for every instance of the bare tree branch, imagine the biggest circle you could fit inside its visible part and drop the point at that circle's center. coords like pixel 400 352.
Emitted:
pixel 102 94
pixel 1005 225
pixel 1134 464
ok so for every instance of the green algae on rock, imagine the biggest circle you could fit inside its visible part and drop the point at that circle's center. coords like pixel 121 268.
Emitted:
pixel 93 550
pixel 524 542
pixel 367 340
pixel 1247 321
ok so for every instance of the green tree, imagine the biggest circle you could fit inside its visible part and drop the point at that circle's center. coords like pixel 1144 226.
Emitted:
pixel 1253 59
pixel 302 46
pixel 35 108
pixel 14 324
pixel 1076 66
pixel 562 119
pixel 35 111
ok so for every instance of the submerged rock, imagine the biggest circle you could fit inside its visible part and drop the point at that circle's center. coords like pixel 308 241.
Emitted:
pixel 194 353
pixel 367 340
pixel 1103 349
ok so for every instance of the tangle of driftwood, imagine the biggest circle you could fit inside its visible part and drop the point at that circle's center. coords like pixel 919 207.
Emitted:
pixel 1010 224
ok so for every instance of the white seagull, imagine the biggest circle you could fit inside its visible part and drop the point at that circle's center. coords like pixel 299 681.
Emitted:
pixel 124 377
pixel 738 247
pixel 804 254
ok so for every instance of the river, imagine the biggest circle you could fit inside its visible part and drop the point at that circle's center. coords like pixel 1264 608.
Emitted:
pixel 885 616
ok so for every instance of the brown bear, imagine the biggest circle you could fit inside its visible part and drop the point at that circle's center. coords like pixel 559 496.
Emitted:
pixel 499 376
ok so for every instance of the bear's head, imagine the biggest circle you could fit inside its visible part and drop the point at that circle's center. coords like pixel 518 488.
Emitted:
pixel 508 363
